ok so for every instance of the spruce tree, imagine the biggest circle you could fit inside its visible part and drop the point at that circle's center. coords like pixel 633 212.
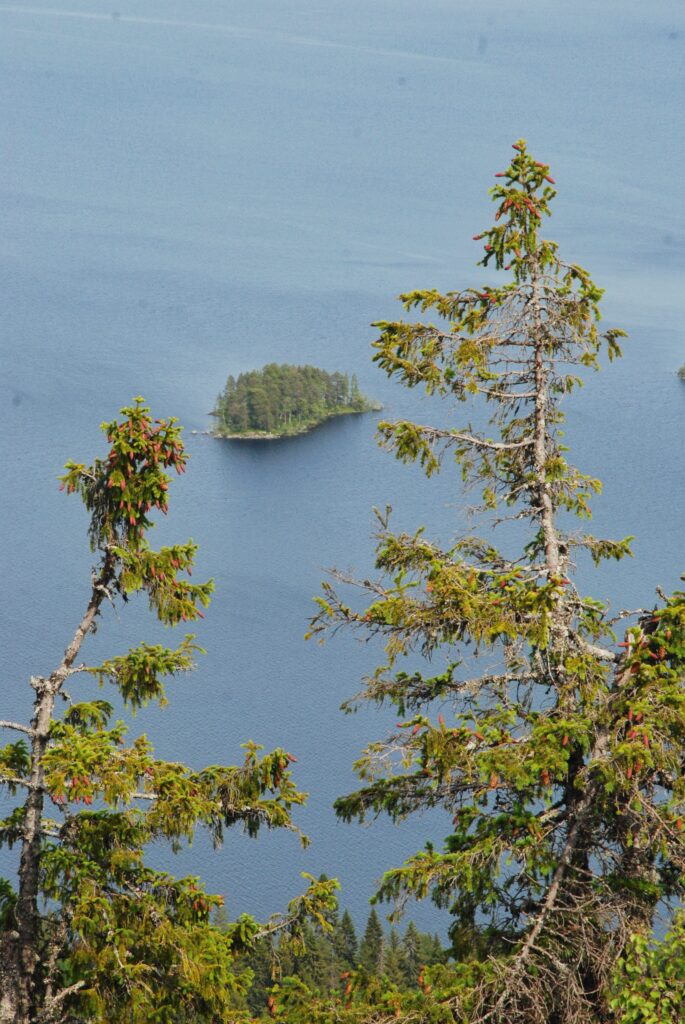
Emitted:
pixel 371 947
pixel 393 961
pixel 90 932
pixel 556 751
pixel 411 953
pixel 345 942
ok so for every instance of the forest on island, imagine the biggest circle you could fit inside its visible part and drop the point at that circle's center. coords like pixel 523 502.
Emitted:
pixel 548 728
pixel 286 399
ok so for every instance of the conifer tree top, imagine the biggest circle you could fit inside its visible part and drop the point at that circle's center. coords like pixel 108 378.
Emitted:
pixel 555 751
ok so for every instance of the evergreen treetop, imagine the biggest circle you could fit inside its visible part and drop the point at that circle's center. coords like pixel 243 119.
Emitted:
pixel 372 945
pixel 556 752
pixel 90 932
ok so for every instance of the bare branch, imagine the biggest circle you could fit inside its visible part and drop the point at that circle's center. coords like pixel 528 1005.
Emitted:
pixel 506 396
pixel 53 1004
pixel 601 653
pixel 436 434
pixel 18 727
pixel 11 780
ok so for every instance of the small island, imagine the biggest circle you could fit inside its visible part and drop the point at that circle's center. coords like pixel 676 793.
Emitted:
pixel 280 401
pixel 681 372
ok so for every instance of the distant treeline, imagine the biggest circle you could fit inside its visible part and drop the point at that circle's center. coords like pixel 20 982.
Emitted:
pixel 286 399
pixel 326 955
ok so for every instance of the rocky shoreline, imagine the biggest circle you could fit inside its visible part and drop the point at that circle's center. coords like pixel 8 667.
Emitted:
pixel 305 428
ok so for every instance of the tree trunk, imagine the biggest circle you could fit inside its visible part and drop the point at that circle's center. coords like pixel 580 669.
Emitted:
pixel 9 978
pixel 546 505
pixel 21 950
pixel 28 919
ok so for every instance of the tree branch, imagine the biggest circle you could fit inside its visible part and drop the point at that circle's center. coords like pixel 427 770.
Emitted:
pixel 10 780
pixel 435 433
pixel 18 727
pixel 530 943
pixel 506 396
pixel 48 1012
pixel 601 653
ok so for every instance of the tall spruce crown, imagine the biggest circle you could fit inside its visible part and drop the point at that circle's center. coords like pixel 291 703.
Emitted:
pixel 555 752
pixel 91 933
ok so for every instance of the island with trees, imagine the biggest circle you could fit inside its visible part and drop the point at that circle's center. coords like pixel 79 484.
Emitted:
pixel 282 400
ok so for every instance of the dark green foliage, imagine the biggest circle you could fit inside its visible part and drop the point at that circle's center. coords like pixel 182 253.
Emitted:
pixel 345 942
pixel 393 963
pixel 372 946
pixel 312 973
pixel 411 951
pixel 286 399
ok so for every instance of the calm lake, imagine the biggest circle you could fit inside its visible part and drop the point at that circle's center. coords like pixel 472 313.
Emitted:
pixel 196 189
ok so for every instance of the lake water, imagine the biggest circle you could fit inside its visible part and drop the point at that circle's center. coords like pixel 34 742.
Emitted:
pixel 192 190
